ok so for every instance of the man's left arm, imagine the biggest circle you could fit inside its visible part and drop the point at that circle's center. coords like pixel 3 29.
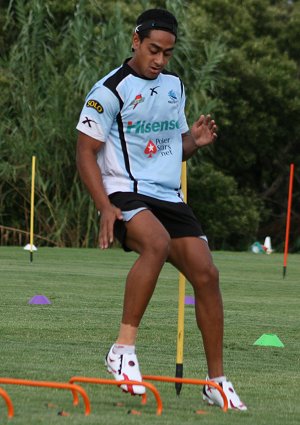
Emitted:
pixel 203 132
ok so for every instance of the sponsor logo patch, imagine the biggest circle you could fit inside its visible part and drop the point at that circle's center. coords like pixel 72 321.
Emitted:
pixel 141 127
pixel 95 105
pixel 138 99
pixel 88 122
pixel 150 149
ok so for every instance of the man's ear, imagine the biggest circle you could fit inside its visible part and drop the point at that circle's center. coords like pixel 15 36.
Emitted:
pixel 135 41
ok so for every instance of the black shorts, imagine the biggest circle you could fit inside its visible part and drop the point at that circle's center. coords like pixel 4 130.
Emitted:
pixel 177 217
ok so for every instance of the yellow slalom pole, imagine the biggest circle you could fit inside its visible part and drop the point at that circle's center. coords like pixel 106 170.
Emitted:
pixel 32 207
pixel 181 294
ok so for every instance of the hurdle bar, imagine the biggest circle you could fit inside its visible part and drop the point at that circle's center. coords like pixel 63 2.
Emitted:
pixel 50 384
pixel 9 404
pixel 192 382
pixel 90 380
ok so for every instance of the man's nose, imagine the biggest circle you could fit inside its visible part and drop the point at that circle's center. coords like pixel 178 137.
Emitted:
pixel 159 59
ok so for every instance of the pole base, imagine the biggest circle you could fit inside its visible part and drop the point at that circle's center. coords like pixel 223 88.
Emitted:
pixel 178 374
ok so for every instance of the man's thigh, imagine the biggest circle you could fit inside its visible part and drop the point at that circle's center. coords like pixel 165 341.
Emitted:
pixel 191 256
pixel 144 230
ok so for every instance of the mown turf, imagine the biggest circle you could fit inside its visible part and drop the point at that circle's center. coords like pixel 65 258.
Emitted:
pixel 72 335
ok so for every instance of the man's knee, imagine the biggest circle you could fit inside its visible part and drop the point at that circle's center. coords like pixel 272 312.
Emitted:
pixel 207 278
pixel 158 244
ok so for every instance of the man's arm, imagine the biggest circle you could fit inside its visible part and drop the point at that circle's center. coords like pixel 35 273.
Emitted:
pixel 203 132
pixel 90 174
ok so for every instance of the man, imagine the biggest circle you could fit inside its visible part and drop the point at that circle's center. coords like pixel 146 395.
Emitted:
pixel 133 137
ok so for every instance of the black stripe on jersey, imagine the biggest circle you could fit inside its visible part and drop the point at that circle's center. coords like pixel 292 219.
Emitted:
pixel 111 83
pixel 124 150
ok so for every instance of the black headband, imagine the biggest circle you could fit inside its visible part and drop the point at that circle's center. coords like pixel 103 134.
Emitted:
pixel 157 25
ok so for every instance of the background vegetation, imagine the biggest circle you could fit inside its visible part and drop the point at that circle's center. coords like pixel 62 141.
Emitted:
pixel 239 60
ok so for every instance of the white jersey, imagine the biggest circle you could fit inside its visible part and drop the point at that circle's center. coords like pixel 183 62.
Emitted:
pixel 141 122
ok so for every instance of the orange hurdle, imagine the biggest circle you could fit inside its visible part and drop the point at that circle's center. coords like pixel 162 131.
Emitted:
pixel 10 407
pixel 60 385
pixel 190 381
pixel 151 387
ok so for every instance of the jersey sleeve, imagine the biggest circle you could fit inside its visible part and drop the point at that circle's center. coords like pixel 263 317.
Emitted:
pixel 183 126
pixel 98 114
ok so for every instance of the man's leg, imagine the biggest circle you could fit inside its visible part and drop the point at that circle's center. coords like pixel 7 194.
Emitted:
pixel 192 257
pixel 147 237
pixel 150 240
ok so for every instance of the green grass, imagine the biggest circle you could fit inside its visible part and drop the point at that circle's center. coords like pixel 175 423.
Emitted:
pixel 72 335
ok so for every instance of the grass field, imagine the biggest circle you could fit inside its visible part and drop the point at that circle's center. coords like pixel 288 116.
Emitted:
pixel 72 335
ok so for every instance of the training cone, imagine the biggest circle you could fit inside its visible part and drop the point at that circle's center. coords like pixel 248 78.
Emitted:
pixel 269 340
pixel 189 300
pixel 39 299
pixel 29 247
pixel 267 245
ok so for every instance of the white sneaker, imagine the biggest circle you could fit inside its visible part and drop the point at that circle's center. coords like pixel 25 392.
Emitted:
pixel 213 396
pixel 125 367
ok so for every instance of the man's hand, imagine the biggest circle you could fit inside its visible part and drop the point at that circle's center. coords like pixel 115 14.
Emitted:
pixel 204 131
pixel 108 217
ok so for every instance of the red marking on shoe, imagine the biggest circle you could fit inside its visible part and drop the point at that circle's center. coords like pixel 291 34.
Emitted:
pixel 111 360
pixel 131 363
pixel 231 389
pixel 232 405
pixel 129 387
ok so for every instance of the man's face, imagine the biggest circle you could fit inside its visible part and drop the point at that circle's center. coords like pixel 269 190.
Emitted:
pixel 153 53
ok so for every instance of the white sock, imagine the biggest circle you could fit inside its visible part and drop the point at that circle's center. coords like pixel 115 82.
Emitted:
pixel 123 349
pixel 217 379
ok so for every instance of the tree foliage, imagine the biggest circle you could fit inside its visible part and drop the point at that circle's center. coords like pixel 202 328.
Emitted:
pixel 238 60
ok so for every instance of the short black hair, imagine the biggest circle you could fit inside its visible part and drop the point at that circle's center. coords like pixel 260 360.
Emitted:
pixel 160 19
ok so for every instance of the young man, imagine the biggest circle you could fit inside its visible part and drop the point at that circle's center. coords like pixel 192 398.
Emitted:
pixel 133 137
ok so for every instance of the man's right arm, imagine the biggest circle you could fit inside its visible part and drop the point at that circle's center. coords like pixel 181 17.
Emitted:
pixel 90 174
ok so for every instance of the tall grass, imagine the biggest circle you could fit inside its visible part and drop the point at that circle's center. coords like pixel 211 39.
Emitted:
pixel 45 76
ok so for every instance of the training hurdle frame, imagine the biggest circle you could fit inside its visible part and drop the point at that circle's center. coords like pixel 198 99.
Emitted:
pixel 159 409
pixel 48 384
pixel 9 404
pixel 100 381
pixel 190 381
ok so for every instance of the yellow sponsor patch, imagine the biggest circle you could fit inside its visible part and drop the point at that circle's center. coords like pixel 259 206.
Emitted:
pixel 95 105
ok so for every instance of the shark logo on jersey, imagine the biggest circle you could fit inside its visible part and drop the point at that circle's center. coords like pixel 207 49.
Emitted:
pixel 172 97
pixel 138 99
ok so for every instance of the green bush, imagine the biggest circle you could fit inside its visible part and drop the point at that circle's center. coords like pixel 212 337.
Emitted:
pixel 229 218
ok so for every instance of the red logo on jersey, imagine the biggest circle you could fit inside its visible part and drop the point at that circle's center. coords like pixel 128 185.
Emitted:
pixel 138 99
pixel 150 149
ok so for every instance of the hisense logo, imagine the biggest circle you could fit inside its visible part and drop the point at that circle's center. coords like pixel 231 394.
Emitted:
pixel 155 126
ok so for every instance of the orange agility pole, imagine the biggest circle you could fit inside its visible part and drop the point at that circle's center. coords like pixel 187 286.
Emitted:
pixel 288 219
pixel 190 381
pixel 10 407
pixel 49 384
pixel 101 381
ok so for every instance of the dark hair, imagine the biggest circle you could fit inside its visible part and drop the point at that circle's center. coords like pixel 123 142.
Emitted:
pixel 159 19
